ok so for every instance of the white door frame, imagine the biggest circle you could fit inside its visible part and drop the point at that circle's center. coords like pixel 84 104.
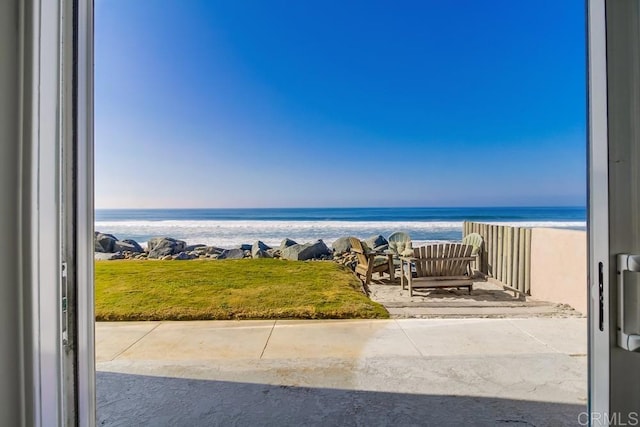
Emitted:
pixel 56 193
pixel 598 210
pixel 614 207
pixel 40 99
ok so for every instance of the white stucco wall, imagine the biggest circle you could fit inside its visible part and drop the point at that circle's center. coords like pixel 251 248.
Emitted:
pixel 559 266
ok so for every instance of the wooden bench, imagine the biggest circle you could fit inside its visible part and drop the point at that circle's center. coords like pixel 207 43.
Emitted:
pixel 445 265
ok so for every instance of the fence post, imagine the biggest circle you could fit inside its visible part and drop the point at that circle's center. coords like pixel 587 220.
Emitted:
pixel 527 262
pixel 515 253
pixel 500 253
pixel 494 252
pixel 506 269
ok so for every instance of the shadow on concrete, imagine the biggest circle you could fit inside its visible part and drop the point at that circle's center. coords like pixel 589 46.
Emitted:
pixel 139 400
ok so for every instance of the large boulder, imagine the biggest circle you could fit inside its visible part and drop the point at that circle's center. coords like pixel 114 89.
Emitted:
pixel 127 245
pixel 245 247
pixel 159 247
pixel 306 251
pixel 258 246
pixel 286 243
pixel 101 256
pixel 191 248
pixel 104 242
pixel 273 253
pixel 232 254
pixel 261 254
pixel 213 250
pixel 376 242
pixel 182 256
pixel 341 246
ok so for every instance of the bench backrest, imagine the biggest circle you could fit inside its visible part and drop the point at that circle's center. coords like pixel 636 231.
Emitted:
pixel 443 260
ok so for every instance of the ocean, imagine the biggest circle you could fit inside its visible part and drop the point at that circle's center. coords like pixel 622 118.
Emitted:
pixel 228 228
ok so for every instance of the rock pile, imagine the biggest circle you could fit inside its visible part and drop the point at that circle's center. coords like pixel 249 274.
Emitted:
pixel 342 249
pixel 377 243
pixel 108 247
pixel 307 251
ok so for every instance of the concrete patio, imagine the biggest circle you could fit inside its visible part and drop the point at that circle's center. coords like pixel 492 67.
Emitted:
pixel 487 300
pixel 440 372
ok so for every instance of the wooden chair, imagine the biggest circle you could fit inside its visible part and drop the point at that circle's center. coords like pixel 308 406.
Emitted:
pixel 369 262
pixel 399 242
pixel 475 240
pixel 438 266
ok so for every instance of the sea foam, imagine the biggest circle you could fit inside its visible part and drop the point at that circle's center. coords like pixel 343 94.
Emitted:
pixel 230 233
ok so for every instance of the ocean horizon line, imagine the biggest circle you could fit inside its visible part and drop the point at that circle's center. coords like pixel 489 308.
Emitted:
pixel 354 207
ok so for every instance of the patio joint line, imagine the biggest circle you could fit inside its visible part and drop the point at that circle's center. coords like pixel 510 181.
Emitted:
pixel 409 338
pixel 534 337
pixel 268 338
pixel 136 341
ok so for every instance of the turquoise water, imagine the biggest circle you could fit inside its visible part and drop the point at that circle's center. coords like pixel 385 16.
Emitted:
pixel 230 227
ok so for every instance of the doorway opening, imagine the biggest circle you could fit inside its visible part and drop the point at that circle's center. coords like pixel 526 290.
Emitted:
pixel 238 149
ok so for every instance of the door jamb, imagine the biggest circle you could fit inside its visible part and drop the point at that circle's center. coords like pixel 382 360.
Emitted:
pixel 598 211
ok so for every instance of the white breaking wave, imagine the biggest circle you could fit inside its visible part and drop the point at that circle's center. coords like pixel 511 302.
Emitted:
pixel 234 232
pixel 275 225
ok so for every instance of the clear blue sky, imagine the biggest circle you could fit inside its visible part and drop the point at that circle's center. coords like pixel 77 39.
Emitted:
pixel 339 103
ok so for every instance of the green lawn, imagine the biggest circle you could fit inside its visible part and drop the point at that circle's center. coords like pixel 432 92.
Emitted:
pixel 229 289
